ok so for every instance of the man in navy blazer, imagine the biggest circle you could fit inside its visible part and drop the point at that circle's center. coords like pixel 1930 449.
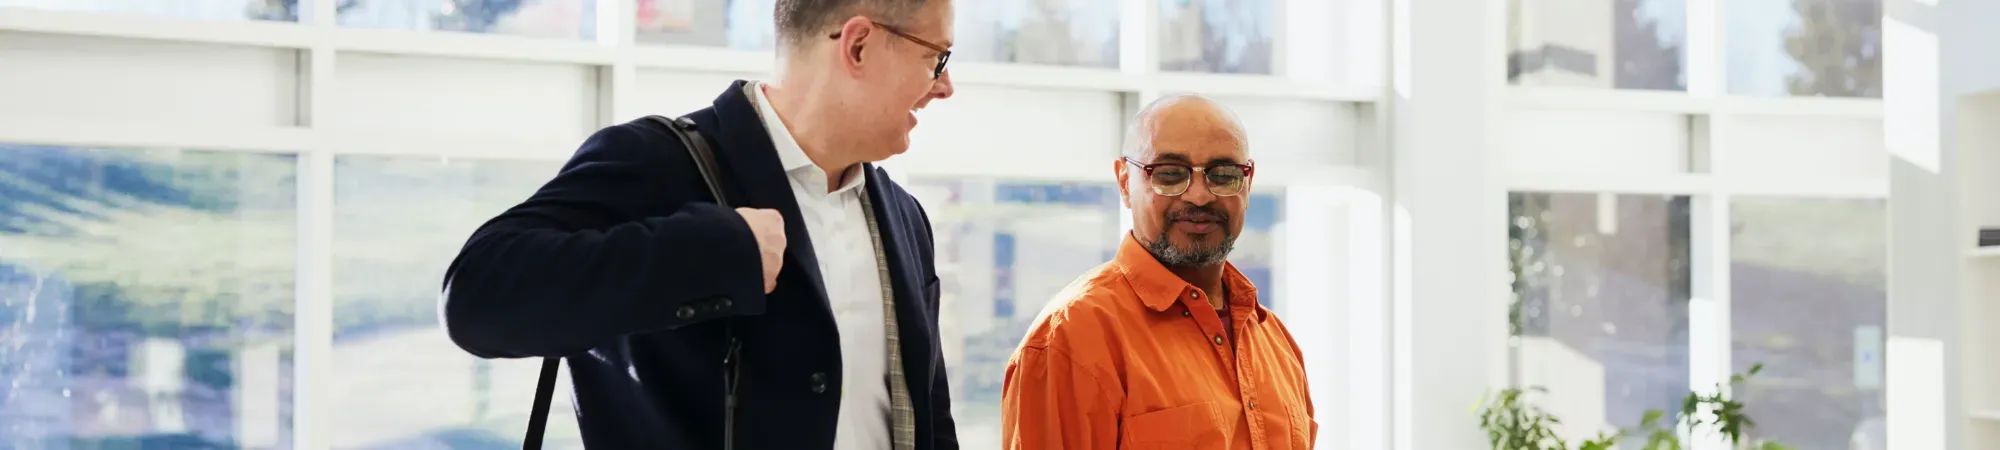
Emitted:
pixel 623 265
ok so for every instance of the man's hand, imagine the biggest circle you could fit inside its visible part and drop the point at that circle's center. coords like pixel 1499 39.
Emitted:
pixel 769 226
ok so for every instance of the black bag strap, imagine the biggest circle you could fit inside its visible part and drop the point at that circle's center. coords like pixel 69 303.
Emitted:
pixel 704 162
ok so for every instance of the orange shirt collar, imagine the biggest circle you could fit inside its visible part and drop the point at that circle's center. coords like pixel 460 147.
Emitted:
pixel 1160 289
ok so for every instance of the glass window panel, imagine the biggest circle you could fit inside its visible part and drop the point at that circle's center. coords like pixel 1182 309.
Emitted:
pixel 1615 44
pixel 1808 300
pixel 1827 48
pixel 1003 250
pixel 398 381
pixel 562 19
pixel 1256 251
pixel 1064 32
pixel 1600 314
pixel 1218 36
pixel 146 298
pixel 276 10
pixel 738 24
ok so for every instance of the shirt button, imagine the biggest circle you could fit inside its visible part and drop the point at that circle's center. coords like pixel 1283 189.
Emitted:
pixel 819 382
pixel 685 312
pixel 1186 313
pixel 1253 404
pixel 1218 339
pixel 1194 294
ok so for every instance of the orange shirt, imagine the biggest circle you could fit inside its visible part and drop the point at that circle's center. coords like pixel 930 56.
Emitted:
pixel 1132 357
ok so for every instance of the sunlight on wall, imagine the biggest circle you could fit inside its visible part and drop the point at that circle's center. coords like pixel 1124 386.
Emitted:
pixel 1918 406
pixel 1367 313
pixel 1910 94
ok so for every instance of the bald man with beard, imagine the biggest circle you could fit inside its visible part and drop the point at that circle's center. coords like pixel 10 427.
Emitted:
pixel 1165 346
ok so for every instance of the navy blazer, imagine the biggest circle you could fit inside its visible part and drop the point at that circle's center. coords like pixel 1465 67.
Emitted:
pixel 622 265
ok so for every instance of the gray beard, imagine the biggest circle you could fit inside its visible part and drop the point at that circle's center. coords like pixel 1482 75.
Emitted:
pixel 1174 258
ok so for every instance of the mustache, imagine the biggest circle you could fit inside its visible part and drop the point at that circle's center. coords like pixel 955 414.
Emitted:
pixel 1195 213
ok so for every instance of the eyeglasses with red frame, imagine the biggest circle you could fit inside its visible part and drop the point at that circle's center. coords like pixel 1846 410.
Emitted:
pixel 1224 179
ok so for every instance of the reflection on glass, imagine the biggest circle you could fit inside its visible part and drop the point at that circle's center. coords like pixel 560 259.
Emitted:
pixel 1808 300
pixel 738 24
pixel 398 381
pixel 1052 32
pixel 1600 311
pixel 1003 250
pixel 276 10
pixel 1219 36
pixel 1616 44
pixel 1256 251
pixel 1827 48
pixel 562 19
pixel 145 298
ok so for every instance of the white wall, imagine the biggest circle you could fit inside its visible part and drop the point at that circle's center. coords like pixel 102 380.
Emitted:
pixel 1936 51
pixel 1448 213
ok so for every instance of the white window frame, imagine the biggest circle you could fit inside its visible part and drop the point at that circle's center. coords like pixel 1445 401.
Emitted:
pixel 1712 188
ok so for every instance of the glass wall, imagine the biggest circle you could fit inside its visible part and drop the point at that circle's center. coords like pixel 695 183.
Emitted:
pixel 276 10
pixel 1808 280
pixel 1219 36
pixel 1600 309
pixel 1004 249
pixel 398 381
pixel 740 24
pixel 1611 44
pixel 1829 48
pixel 563 19
pixel 146 298
pixel 1063 33
pixel 1256 252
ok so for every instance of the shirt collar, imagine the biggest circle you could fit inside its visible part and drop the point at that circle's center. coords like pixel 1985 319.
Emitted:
pixel 797 165
pixel 1160 289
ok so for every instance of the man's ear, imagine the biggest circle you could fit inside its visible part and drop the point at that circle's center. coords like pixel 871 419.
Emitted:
pixel 854 35
pixel 1119 170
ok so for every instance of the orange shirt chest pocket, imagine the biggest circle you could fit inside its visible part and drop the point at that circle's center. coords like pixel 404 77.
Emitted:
pixel 1287 426
pixel 1204 425
pixel 1219 426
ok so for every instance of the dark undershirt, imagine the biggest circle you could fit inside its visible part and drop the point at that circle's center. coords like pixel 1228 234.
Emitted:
pixel 1228 326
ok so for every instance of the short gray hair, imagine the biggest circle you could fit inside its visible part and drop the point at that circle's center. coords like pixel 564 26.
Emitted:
pixel 800 21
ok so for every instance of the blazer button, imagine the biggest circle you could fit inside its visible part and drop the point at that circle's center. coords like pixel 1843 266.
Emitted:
pixel 819 382
pixel 685 313
pixel 723 305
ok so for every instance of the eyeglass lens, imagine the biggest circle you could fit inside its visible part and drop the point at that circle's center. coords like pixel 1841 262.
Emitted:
pixel 1223 180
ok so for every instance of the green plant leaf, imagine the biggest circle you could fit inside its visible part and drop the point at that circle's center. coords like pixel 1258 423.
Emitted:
pixel 1651 419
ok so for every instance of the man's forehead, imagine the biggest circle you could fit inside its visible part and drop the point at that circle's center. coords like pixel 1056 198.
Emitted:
pixel 1196 142
pixel 1197 128
pixel 933 22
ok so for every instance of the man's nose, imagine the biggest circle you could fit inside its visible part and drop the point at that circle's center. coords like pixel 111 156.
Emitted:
pixel 1197 192
pixel 942 87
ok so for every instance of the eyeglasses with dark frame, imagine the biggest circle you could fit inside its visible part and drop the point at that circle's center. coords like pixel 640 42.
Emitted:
pixel 944 54
pixel 1224 179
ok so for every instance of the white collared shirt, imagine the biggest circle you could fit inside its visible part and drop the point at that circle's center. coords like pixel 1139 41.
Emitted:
pixel 839 232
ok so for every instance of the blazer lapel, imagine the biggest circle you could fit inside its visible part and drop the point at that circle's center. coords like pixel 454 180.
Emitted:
pixel 741 136
pixel 912 315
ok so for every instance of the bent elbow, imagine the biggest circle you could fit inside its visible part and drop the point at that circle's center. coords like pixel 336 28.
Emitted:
pixel 471 329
